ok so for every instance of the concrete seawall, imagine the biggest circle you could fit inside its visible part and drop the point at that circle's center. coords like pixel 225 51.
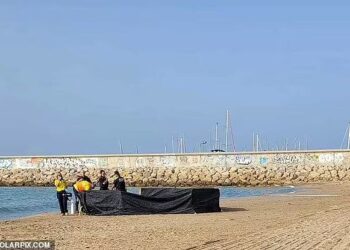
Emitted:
pixel 230 169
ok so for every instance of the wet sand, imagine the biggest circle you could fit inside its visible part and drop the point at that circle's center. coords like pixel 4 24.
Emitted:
pixel 294 221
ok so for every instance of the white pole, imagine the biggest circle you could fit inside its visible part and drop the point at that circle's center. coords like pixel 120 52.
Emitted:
pixel 349 136
pixel 184 144
pixel 226 139
pixel 257 142
pixel 307 144
pixel 181 146
pixel 232 138
pixel 121 147
pixel 216 136
pixel 267 144
pixel 253 141
pixel 178 145
pixel 172 144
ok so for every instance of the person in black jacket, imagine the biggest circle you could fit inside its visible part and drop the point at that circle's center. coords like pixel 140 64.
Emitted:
pixel 119 183
pixel 85 178
pixel 102 181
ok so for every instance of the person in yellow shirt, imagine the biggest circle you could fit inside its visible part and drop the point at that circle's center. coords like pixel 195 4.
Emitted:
pixel 61 186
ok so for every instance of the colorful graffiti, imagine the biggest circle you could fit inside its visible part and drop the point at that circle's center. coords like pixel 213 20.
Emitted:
pixel 264 160
pixel 210 160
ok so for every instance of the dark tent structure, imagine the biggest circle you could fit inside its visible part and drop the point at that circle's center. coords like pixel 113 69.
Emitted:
pixel 151 201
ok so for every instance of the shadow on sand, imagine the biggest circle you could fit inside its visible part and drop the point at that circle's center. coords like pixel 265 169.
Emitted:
pixel 232 209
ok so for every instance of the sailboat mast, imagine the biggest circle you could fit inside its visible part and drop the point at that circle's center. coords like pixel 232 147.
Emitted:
pixel 216 136
pixel 181 145
pixel 253 141
pixel 348 136
pixel 121 147
pixel 172 144
pixel 227 127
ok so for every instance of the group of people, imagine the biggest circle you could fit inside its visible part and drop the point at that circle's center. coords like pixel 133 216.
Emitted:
pixel 82 184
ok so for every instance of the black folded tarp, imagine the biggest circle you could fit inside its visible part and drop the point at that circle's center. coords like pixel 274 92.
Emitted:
pixel 151 201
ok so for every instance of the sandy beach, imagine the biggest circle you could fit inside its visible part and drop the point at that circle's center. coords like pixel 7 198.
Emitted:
pixel 315 218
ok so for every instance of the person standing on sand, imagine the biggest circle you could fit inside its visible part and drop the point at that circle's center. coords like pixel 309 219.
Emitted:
pixel 75 191
pixel 119 183
pixel 61 186
pixel 102 181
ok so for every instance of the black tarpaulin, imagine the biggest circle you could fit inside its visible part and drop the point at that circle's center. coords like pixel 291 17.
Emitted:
pixel 203 200
pixel 152 201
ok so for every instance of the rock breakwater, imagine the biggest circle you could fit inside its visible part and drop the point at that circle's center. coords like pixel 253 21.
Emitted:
pixel 248 169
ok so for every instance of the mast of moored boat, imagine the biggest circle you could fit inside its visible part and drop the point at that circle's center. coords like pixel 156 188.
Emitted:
pixel 348 147
pixel 226 132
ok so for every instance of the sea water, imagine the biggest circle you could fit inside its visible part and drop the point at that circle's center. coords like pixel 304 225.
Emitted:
pixel 17 202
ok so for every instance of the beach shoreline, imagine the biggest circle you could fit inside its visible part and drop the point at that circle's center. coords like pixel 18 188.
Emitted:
pixel 253 222
pixel 22 202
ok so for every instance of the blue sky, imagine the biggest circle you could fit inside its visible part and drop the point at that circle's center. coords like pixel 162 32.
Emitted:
pixel 77 77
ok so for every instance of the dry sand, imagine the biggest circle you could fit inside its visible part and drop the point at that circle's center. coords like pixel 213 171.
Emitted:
pixel 270 222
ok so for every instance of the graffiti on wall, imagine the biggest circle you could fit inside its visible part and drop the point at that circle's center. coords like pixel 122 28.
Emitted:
pixel 311 157
pixel 331 158
pixel 141 162
pixel 120 163
pixel 243 159
pixel 211 160
pixel 68 162
pixel 6 163
pixel 151 161
pixel 168 161
pixel 194 159
pixel 25 163
pixel 64 162
pixel 286 159
pixel 103 162
pixel 264 160
pixel 338 158
pixel 183 159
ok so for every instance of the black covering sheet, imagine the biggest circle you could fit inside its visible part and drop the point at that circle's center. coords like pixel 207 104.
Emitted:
pixel 151 201
pixel 204 200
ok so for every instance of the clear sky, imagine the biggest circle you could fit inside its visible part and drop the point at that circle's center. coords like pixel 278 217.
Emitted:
pixel 77 77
